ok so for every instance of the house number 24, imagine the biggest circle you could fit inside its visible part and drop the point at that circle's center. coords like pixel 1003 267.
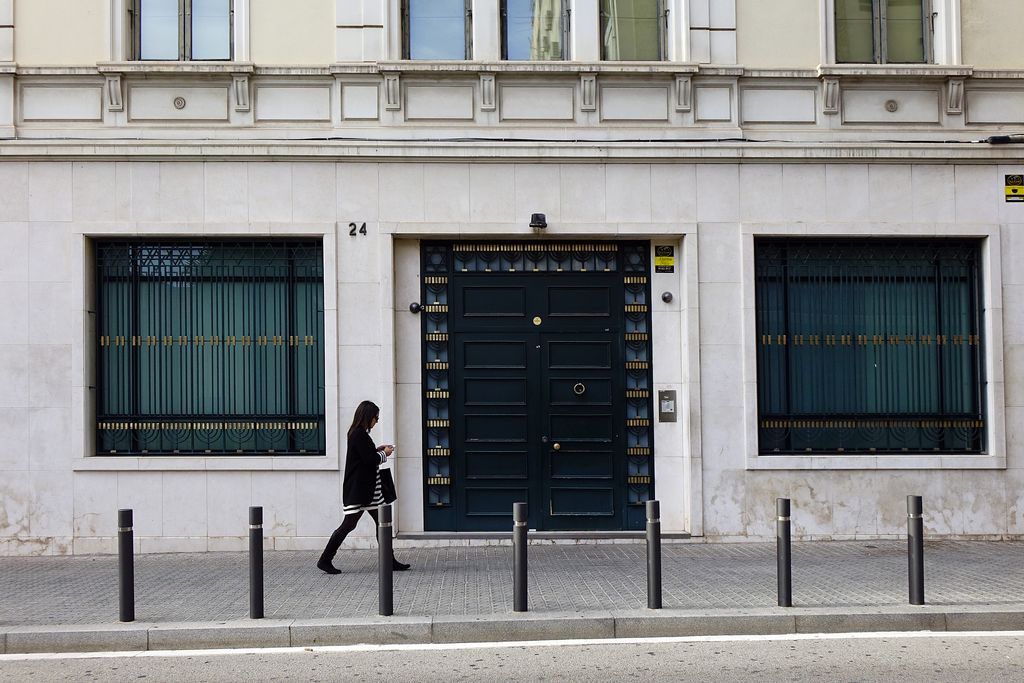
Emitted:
pixel 356 229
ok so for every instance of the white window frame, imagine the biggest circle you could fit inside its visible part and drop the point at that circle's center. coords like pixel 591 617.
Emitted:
pixel 944 38
pixel 122 43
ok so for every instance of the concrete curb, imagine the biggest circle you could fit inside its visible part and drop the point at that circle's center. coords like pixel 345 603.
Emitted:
pixel 501 627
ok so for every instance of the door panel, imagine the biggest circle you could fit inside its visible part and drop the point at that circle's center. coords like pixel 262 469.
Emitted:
pixel 572 353
pixel 482 463
pixel 494 302
pixel 580 502
pixel 591 302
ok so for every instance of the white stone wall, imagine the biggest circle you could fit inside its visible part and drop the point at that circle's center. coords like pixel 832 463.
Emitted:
pixel 55 499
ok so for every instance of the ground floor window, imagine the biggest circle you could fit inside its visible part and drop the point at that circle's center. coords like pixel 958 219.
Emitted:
pixel 209 347
pixel 866 346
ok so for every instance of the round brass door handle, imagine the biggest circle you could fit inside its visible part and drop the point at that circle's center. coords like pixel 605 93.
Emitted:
pixel 579 388
pixel 557 446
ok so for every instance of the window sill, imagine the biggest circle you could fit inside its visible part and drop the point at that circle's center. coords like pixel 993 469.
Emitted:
pixel 175 68
pixel 563 67
pixel 881 461
pixel 896 70
pixel 158 463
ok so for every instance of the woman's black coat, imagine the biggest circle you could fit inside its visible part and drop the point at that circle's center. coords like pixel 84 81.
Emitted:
pixel 361 465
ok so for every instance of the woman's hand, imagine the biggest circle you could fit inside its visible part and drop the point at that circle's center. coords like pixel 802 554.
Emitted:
pixel 388 450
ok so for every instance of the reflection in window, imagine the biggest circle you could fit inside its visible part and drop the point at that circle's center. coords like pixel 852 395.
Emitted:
pixel 882 31
pixel 631 30
pixel 533 29
pixel 182 29
pixel 436 29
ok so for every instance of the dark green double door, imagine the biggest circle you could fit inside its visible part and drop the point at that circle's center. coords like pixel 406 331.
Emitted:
pixel 537 400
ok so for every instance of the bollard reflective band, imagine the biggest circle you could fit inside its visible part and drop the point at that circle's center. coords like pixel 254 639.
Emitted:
pixel 123 529
pixel 255 526
pixel 384 525
pixel 519 523
pixel 911 515
pixel 656 520
pixel 785 519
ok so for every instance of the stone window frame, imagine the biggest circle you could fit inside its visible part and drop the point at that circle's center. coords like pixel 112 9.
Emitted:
pixel 991 326
pixel 83 365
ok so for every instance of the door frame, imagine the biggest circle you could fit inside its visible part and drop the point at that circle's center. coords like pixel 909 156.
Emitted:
pixel 443 260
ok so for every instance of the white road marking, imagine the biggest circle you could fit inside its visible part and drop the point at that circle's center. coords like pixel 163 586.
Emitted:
pixel 420 647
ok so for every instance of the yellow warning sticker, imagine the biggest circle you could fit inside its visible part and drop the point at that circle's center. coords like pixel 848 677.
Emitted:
pixel 1014 188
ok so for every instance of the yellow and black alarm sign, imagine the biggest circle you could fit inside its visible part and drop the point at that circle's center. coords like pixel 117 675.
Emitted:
pixel 1015 188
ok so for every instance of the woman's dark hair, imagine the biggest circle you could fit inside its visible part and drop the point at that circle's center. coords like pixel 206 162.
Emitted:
pixel 363 418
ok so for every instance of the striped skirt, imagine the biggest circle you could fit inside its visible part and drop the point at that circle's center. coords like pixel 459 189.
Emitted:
pixel 375 502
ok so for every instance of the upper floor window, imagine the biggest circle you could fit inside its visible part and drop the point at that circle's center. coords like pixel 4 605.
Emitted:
pixel 533 29
pixel 436 29
pixel 632 30
pixel 883 31
pixel 176 30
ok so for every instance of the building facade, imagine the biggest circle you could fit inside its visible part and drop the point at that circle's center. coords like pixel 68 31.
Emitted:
pixel 583 253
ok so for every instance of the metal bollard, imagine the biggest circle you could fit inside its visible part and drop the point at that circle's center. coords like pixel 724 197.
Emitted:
pixel 126 565
pixel 653 554
pixel 783 552
pixel 915 549
pixel 519 529
pixel 385 569
pixel 255 562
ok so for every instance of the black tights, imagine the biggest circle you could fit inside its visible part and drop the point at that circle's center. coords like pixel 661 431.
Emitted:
pixel 347 525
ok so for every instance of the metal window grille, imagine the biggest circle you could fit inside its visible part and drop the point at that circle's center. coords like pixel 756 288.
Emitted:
pixel 869 346
pixel 209 347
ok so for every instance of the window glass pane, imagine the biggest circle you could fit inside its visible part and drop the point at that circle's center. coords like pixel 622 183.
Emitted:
pixel 211 29
pixel 533 29
pixel 437 29
pixel 854 31
pixel 158 29
pixel 630 30
pixel 904 27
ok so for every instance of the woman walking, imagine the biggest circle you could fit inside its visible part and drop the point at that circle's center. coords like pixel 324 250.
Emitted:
pixel 361 490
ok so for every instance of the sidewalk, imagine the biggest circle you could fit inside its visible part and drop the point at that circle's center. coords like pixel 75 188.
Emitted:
pixel 465 593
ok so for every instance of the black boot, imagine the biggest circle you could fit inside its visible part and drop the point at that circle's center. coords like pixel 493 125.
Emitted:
pixel 324 564
pixel 398 566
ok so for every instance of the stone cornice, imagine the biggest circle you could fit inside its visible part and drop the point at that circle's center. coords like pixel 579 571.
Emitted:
pixel 511 151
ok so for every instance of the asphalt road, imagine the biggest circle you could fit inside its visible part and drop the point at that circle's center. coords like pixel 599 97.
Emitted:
pixel 974 657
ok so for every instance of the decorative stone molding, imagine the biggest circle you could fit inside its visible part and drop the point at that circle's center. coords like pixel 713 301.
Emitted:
pixel 112 93
pixel 830 97
pixel 240 86
pixel 684 93
pixel 488 101
pixel 955 96
pixel 392 92
pixel 588 92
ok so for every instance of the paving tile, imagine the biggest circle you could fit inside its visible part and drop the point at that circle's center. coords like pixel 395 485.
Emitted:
pixel 476 580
